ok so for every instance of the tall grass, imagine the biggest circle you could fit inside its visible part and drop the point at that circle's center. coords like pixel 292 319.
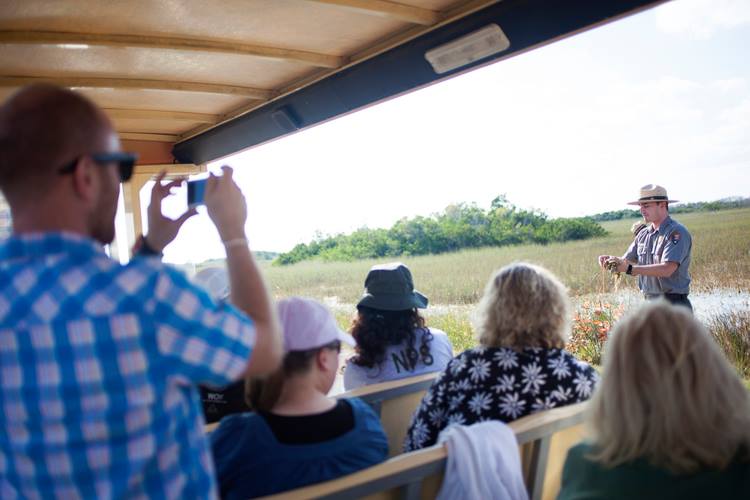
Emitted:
pixel 732 332
pixel 454 282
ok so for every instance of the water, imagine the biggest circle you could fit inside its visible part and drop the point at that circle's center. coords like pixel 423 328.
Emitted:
pixel 705 304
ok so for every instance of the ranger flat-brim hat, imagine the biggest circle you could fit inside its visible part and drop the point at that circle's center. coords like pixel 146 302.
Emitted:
pixel 390 287
pixel 651 193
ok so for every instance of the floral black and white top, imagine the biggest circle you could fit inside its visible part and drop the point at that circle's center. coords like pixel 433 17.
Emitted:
pixel 498 384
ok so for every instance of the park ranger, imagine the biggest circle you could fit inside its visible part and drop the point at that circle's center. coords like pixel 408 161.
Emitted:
pixel 660 254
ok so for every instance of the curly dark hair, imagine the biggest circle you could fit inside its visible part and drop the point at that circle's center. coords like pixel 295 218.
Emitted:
pixel 376 329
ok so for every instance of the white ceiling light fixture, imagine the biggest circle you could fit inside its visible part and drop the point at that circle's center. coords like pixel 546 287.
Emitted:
pixel 467 49
pixel 74 46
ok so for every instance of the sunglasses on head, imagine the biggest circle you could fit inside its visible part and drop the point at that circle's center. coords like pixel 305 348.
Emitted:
pixel 125 163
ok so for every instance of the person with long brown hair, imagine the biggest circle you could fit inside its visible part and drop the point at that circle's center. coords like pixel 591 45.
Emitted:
pixel 392 338
pixel 670 418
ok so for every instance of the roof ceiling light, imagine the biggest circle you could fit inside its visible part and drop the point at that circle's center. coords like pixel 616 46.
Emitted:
pixel 75 46
pixel 467 49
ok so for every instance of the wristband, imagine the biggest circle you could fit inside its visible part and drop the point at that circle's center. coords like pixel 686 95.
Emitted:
pixel 145 250
pixel 629 269
pixel 237 242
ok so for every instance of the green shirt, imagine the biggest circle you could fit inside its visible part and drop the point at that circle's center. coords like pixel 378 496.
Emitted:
pixel 584 479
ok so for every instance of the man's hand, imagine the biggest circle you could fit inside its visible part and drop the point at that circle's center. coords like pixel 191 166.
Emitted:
pixel 162 230
pixel 226 205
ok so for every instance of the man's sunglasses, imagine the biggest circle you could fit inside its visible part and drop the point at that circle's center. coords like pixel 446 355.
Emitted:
pixel 125 163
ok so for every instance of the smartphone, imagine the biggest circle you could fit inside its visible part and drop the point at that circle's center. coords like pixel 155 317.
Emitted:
pixel 196 190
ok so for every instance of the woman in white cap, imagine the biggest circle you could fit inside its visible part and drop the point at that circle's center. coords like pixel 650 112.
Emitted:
pixel 670 418
pixel 392 339
pixel 297 435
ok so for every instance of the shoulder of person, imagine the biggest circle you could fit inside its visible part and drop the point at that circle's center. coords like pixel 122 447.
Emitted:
pixel 354 375
pixel 464 357
pixel 577 460
pixel 365 416
pixel 237 421
pixel 146 264
pixel 360 407
pixel 440 336
pixel 228 434
pixel 155 270
pixel 580 364
pixel 458 364
pixel 580 450
pixel 676 226
pixel 138 276
pixel 436 332
pixel 477 352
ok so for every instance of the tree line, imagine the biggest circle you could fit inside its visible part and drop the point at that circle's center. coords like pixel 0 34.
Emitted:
pixel 679 208
pixel 457 227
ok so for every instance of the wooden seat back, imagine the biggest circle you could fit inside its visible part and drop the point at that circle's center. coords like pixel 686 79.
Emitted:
pixel 395 403
pixel 543 438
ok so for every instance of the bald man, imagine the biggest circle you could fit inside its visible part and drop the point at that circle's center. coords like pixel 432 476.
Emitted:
pixel 99 361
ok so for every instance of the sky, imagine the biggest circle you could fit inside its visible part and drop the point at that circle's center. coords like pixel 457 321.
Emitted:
pixel 573 128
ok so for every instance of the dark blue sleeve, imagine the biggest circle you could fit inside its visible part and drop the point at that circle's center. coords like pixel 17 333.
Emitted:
pixel 224 441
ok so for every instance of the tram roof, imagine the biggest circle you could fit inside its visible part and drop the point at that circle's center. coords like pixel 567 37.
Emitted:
pixel 192 81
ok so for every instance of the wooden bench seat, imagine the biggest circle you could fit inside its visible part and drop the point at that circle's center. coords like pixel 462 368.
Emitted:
pixel 543 438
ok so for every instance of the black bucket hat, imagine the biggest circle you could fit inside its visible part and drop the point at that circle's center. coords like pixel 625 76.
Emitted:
pixel 390 287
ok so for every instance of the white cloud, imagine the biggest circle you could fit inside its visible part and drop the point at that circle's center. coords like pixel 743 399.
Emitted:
pixel 731 84
pixel 701 19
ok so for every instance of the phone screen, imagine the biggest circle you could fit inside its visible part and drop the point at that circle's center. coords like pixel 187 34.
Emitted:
pixel 195 192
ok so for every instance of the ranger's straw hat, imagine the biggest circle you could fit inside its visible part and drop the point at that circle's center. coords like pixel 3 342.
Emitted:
pixel 652 192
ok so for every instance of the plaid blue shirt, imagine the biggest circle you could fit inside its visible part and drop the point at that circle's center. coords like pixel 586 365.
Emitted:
pixel 98 366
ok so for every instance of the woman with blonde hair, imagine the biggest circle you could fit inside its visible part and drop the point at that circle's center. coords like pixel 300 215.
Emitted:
pixel 670 418
pixel 520 366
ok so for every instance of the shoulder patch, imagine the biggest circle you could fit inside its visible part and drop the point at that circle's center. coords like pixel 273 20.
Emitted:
pixel 674 237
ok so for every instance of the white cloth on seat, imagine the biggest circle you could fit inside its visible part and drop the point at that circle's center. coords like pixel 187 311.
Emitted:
pixel 483 463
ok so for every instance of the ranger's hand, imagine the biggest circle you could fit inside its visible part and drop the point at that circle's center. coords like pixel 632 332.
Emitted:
pixel 616 264
pixel 603 260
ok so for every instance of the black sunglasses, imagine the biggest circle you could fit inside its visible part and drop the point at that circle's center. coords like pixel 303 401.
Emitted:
pixel 125 163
